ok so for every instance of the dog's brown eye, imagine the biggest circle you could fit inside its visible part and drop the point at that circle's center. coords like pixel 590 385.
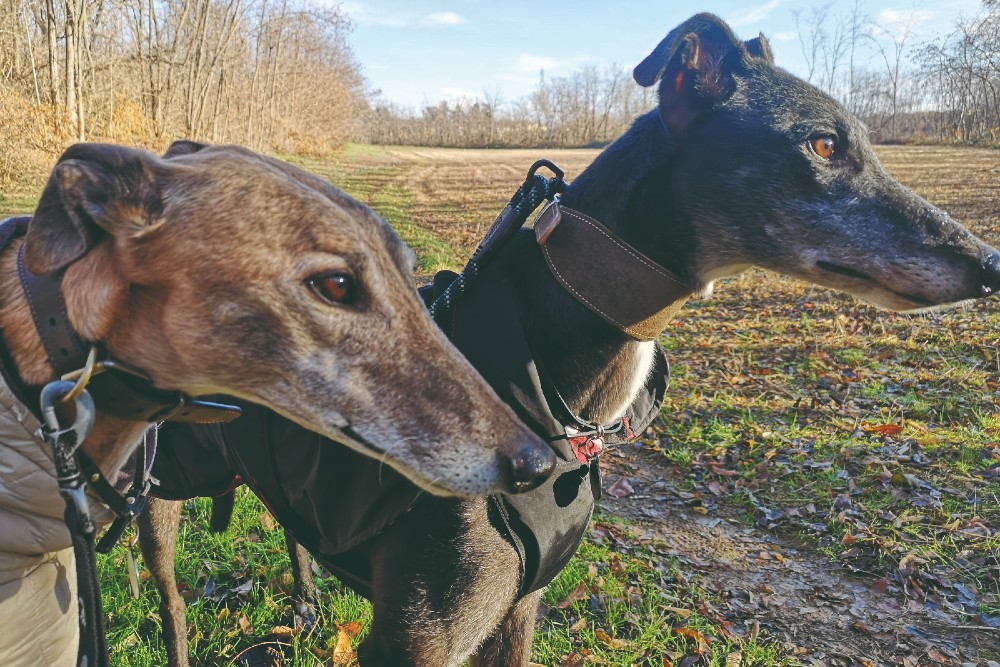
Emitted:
pixel 824 147
pixel 334 287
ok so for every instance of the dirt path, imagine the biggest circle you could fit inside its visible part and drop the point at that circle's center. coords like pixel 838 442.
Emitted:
pixel 825 614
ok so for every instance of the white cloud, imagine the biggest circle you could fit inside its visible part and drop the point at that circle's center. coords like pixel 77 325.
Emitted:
pixel 366 15
pixel 752 16
pixel 896 22
pixel 788 36
pixel 442 19
pixel 362 15
pixel 528 63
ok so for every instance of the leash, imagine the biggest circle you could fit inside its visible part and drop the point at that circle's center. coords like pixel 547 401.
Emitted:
pixel 535 189
pixel 65 441
pixel 586 438
pixel 116 389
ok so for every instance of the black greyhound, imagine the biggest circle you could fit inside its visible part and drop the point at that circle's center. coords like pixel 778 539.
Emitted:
pixel 740 164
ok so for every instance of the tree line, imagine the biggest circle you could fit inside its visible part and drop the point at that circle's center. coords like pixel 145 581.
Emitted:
pixel 279 75
pixel 588 107
pixel 946 90
pixel 275 74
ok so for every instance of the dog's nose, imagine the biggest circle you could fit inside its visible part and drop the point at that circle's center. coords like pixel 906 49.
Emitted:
pixel 528 468
pixel 991 274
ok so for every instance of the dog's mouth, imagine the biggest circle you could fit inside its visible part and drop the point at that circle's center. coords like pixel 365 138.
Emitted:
pixel 436 486
pixel 843 270
pixel 912 301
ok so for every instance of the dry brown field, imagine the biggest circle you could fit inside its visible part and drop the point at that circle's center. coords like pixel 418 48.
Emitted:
pixel 822 487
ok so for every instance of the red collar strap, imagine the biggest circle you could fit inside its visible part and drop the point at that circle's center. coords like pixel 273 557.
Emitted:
pixel 597 267
pixel 588 445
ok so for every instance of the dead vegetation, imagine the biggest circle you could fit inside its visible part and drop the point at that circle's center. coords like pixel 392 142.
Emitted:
pixel 828 474
pixel 823 486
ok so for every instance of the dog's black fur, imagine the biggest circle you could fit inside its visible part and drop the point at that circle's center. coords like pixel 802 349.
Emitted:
pixel 724 174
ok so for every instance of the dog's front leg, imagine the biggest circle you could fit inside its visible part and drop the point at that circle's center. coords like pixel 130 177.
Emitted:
pixel 158 526
pixel 442 582
pixel 304 594
pixel 510 643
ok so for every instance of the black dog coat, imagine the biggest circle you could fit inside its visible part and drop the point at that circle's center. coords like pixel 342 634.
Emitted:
pixel 332 499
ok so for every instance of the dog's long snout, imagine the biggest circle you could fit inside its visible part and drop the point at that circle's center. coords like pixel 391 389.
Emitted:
pixel 991 274
pixel 527 468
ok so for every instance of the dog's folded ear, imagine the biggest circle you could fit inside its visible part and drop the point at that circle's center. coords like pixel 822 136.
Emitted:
pixel 94 189
pixel 694 65
pixel 759 47
pixel 183 147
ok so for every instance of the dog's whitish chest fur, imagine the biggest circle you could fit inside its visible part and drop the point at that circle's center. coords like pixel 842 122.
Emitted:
pixel 642 367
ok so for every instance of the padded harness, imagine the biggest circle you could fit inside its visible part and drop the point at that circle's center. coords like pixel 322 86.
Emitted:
pixel 333 499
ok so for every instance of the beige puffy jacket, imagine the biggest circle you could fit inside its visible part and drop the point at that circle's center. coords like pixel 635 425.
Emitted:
pixel 38 606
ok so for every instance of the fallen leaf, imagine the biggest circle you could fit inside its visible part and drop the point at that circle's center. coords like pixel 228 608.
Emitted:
pixel 581 592
pixel 282 632
pixel 700 639
pixel 608 640
pixel 267 521
pixel 907 565
pixel 886 429
pixel 343 654
pixel 621 489
pixel 352 629
pixel 937 656
pixel 244 624
pixel 683 613
pixel 579 625
pixel 243 589
pixel 616 567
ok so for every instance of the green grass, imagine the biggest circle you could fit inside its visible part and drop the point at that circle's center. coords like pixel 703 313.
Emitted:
pixel 17 204
pixel 237 587
pixel 637 608
pixel 785 397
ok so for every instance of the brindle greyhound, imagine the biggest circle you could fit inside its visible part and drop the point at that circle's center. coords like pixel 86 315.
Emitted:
pixel 741 164
pixel 224 271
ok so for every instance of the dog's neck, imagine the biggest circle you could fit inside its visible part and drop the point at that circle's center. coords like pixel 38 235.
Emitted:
pixel 596 367
pixel 112 438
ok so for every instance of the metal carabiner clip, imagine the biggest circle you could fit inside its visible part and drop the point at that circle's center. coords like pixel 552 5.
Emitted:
pixel 83 422
pixel 64 443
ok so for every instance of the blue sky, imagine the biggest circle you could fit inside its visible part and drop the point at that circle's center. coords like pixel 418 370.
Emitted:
pixel 421 51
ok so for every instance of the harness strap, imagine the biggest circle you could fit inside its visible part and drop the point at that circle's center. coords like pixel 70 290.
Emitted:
pixel 65 442
pixel 93 650
pixel 10 229
pixel 127 505
pixel 532 192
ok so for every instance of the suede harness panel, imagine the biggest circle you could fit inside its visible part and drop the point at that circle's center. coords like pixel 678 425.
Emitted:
pixel 598 268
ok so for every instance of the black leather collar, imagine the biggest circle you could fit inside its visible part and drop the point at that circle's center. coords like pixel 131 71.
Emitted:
pixel 117 389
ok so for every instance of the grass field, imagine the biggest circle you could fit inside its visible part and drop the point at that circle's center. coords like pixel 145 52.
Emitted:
pixel 859 450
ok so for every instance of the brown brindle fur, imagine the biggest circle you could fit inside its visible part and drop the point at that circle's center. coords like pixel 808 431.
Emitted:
pixel 193 268
pixel 719 177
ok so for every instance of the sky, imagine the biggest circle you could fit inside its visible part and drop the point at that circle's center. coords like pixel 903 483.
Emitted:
pixel 418 52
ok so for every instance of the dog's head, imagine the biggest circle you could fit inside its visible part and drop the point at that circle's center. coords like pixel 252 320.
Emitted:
pixel 220 271
pixel 771 171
